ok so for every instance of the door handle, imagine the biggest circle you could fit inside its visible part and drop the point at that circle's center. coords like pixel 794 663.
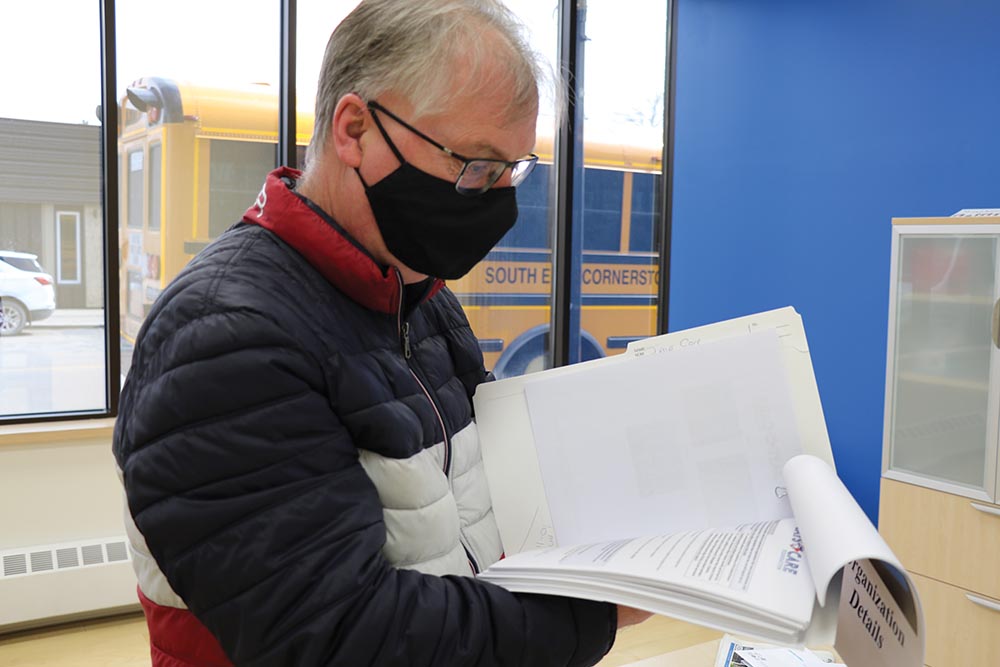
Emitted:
pixel 995 329
pixel 983 602
pixel 986 509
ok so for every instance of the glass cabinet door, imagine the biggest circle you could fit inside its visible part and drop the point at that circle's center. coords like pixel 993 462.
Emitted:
pixel 943 425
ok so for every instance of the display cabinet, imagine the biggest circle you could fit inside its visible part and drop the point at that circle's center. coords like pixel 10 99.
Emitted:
pixel 942 397
pixel 938 507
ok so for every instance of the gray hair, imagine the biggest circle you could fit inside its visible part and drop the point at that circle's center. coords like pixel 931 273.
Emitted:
pixel 409 47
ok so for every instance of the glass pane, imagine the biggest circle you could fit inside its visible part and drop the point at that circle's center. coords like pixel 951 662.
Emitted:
pixel 198 130
pixel 945 296
pixel 316 19
pixel 508 296
pixel 133 188
pixel 618 206
pixel 235 168
pixel 52 359
pixel 155 174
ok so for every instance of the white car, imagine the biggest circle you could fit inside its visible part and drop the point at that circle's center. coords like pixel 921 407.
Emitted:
pixel 26 291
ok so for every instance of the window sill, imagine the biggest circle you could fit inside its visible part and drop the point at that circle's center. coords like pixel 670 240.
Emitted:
pixel 56 432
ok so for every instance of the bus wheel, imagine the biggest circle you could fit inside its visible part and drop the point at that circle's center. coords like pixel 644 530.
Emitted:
pixel 528 353
pixel 14 318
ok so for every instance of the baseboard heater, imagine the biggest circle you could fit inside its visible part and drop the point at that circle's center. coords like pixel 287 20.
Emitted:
pixel 55 583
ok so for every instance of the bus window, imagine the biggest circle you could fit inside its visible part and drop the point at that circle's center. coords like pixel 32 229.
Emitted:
pixel 236 172
pixel 643 232
pixel 155 171
pixel 532 227
pixel 133 298
pixel 135 189
pixel 602 209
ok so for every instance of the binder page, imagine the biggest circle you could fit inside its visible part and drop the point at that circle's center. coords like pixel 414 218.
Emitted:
pixel 742 572
pixel 665 443
pixel 795 354
pixel 508 448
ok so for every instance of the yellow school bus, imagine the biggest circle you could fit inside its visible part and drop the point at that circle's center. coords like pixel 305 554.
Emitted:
pixel 193 158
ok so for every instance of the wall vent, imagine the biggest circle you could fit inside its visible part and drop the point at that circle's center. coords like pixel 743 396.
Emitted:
pixel 43 559
pixel 67 558
pixel 15 564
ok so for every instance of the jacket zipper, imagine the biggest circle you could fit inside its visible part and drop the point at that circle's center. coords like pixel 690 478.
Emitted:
pixel 404 335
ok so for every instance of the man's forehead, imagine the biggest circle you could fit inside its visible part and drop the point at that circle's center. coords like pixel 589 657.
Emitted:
pixel 480 130
pixel 500 145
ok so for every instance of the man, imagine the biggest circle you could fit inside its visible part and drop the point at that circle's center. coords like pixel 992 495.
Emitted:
pixel 296 442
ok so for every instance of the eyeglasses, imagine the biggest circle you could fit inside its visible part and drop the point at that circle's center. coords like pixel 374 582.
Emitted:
pixel 477 174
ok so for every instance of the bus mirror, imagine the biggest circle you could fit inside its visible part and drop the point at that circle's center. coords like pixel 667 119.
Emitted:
pixel 143 98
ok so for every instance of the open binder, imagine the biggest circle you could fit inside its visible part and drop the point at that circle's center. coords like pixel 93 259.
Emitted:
pixel 693 477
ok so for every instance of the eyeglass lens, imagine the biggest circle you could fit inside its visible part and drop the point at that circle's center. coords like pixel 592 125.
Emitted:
pixel 479 175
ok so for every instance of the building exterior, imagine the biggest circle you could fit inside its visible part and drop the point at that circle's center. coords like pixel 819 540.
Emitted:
pixel 50 204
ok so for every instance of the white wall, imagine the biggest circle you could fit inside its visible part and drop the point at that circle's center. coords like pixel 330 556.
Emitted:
pixel 58 485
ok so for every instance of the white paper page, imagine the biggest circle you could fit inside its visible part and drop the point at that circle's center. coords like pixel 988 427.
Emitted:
pixel 795 354
pixel 675 605
pixel 512 472
pixel 701 614
pixel 508 444
pixel 665 443
pixel 743 568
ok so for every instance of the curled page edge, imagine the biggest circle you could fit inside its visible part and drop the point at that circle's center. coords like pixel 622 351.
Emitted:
pixel 836 532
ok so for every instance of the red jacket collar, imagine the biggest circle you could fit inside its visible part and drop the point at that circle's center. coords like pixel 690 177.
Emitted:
pixel 325 245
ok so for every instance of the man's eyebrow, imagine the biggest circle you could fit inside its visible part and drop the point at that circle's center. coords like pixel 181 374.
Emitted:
pixel 487 150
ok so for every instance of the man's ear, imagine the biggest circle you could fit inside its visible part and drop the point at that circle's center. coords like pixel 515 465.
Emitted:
pixel 350 123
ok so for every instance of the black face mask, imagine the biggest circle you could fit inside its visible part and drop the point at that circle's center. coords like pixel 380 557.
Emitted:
pixel 433 229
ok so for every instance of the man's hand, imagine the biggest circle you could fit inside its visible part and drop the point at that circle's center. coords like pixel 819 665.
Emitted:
pixel 630 616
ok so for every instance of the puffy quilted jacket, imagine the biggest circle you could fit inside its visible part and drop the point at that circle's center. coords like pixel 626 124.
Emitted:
pixel 302 470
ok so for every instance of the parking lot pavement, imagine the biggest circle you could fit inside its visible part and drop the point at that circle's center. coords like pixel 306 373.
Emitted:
pixel 72 318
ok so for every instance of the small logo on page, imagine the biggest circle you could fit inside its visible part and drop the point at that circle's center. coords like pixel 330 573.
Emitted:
pixel 791 558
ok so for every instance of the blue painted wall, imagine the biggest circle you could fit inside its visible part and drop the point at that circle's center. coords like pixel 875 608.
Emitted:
pixel 802 128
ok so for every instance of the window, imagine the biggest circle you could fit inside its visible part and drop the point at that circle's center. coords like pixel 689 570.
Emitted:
pixel 52 353
pixel 508 296
pixel 155 175
pixel 197 134
pixel 236 173
pixel 614 288
pixel 133 188
pixel 195 142
pixel 623 109
pixel 315 20
pixel 68 248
